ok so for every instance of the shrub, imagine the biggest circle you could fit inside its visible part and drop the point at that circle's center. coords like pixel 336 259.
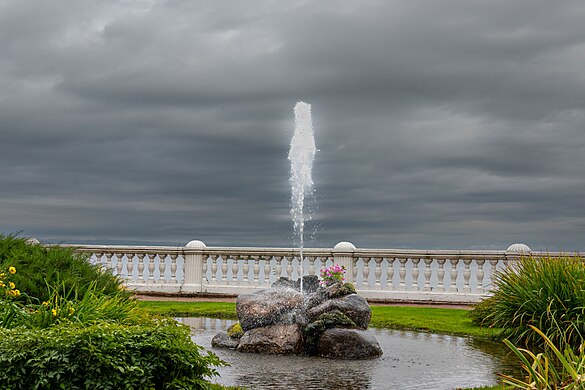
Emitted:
pixel 156 355
pixel 543 292
pixel 39 266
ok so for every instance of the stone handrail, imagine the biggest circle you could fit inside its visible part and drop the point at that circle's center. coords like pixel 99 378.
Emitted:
pixel 446 276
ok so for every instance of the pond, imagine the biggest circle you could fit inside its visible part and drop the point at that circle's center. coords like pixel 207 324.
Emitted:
pixel 411 360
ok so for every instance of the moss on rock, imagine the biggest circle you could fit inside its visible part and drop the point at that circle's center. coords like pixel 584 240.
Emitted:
pixel 235 331
pixel 332 319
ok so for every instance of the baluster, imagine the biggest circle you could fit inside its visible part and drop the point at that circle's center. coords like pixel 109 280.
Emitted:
pixel 453 273
pixel 214 260
pixel 289 267
pixel 247 270
pixel 312 265
pixel 140 268
pixel 355 269
pixel 205 269
pixel 278 266
pixel 141 278
pixel 256 269
pixel 150 267
pixel 108 264
pixel 378 273
pixel 466 276
pixel 480 275
pixel 118 265
pixel 427 286
pixel 234 280
pixel 402 273
pixel 366 273
pixel 415 273
pixel 224 269
pixel 161 268
pixel 267 269
pixel 98 258
pixel 130 265
pixel 493 270
pixel 390 273
pixel 441 275
pixel 174 268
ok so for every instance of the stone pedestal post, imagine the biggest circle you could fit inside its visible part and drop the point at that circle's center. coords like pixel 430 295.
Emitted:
pixel 343 255
pixel 194 258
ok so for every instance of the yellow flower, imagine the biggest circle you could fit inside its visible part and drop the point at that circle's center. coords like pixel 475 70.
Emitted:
pixel 16 293
pixel 2 275
pixel 46 304
pixel 11 285
pixel 71 311
pixel 54 311
pixel 2 284
pixel 12 270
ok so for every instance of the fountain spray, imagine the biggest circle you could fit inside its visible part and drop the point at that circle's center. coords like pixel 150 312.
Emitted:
pixel 301 156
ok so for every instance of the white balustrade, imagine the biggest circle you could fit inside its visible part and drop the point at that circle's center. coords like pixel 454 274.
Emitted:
pixel 384 274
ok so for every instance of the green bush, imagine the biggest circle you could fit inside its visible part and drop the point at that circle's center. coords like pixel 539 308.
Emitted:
pixel 545 292
pixel 39 266
pixel 157 355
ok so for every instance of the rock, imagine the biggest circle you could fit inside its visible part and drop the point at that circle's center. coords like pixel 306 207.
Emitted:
pixel 336 290
pixel 222 340
pixel 353 306
pixel 281 339
pixel 267 307
pixel 348 344
pixel 328 320
pixel 283 282
pixel 310 283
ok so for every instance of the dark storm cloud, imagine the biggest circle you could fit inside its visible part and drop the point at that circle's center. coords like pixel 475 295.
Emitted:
pixel 450 124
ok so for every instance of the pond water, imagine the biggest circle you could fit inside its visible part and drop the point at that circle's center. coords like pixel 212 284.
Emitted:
pixel 411 360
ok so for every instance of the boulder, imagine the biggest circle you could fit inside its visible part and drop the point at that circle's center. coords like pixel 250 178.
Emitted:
pixel 310 283
pixel 353 306
pixel 349 344
pixel 336 290
pixel 222 340
pixel 268 307
pixel 281 339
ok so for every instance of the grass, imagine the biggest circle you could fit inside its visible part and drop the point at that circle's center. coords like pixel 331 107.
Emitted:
pixel 435 320
pixel 224 310
pixel 428 319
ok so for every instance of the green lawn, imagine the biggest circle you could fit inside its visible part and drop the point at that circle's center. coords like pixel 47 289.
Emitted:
pixel 435 320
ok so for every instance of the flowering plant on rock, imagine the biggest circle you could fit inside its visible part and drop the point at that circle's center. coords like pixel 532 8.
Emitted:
pixel 332 274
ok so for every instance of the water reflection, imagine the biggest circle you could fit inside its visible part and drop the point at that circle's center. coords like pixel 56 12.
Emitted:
pixel 411 360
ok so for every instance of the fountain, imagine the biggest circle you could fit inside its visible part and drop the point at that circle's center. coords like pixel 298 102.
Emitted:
pixel 301 156
pixel 301 317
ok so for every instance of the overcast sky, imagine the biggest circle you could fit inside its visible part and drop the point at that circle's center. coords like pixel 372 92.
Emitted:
pixel 450 124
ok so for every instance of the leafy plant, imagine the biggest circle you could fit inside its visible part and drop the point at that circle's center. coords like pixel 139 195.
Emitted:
pixel 67 306
pixel 543 292
pixel 552 369
pixel 156 355
pixel 39 266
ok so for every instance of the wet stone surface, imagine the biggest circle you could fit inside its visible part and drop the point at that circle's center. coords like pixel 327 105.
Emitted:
pixel 282 320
